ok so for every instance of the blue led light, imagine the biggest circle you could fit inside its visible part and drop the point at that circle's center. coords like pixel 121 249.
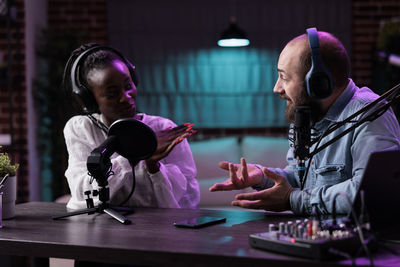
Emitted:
pixel 233 42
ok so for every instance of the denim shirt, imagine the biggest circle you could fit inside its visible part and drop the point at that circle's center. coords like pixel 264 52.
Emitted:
pixel 340 166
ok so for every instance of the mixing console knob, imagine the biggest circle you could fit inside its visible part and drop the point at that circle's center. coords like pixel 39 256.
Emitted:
pixel 272 227
pixel 299 231
pixel 309 228
pixel 288 227
pixel 281 227
pixel 315 227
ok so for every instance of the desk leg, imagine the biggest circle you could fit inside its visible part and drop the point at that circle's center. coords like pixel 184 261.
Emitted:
pixel 19 261
pixel 39 262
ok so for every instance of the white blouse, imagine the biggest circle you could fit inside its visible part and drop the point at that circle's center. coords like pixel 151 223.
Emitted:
pixel 174 186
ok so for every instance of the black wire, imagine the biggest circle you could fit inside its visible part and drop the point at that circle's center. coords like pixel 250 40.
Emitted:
pixel 358 226
pixel 390 241
pixel 98 123
pixel 342 254
pixel 362 209
pixel 133 187
pixel 381 243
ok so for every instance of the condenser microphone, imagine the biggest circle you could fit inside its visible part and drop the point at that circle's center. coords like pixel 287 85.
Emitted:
pixel 302 138
pixel 130 138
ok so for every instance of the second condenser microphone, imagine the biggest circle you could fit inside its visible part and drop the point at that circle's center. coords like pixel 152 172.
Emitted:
pixel 302 138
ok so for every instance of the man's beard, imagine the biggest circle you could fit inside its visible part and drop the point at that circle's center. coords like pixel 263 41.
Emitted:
pixel 302 100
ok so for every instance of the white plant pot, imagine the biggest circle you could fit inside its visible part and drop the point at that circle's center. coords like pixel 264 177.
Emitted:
pixel 9 197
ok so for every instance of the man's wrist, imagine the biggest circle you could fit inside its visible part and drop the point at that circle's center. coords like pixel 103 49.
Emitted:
pixel 261 184
pixel 289 206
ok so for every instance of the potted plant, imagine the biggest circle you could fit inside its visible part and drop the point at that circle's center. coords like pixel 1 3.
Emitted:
pixel 6 167
pixel 9 188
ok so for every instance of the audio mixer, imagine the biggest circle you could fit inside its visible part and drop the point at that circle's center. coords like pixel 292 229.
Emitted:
pixel 306 238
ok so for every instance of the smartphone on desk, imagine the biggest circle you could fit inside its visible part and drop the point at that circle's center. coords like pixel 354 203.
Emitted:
pixel 198 222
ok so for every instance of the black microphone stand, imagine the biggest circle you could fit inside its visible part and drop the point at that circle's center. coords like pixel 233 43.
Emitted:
pixel 99 167
pixel 390 96
pixel 383 103
pixel 131 139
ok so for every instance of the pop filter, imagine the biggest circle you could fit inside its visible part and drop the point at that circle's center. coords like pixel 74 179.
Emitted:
pixel 135 140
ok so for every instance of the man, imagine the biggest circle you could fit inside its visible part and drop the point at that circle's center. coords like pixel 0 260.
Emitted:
pixel 337 168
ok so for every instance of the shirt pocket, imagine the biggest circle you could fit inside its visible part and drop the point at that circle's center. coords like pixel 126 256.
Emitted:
pixel 330 174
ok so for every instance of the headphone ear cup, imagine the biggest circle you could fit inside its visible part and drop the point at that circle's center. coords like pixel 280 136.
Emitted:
pixel 82 95
pixel 319 82
pixel 85 99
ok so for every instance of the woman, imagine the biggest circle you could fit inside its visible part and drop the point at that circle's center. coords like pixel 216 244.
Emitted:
pixel 104 83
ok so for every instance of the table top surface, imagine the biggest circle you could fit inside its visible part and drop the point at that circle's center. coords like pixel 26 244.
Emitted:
pixel 151 239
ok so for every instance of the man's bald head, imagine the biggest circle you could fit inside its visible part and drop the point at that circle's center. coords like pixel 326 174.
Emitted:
pixel 334 56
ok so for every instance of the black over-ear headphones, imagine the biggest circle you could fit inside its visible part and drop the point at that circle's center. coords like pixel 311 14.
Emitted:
pixel 83 95
pixel 319 81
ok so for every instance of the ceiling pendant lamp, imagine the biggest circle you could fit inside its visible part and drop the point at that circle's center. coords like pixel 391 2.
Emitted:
pixel 233 36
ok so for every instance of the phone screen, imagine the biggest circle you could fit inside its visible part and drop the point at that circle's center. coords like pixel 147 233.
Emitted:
pixel 198 222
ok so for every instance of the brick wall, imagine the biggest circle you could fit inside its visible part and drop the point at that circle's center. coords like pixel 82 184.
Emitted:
pixel 17 125
pixel 85 20
pixel 367 15
pixel 86 15
pixel 83 15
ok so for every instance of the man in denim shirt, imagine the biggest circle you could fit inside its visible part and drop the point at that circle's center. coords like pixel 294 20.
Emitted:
pixel 337 168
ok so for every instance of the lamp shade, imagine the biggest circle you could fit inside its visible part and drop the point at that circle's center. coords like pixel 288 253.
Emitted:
pixel 233 36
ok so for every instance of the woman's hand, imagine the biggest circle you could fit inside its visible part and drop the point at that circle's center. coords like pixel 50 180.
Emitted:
pixel 166 140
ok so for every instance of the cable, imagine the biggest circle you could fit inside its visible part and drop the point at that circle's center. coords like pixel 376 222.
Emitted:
pixel 362 208
pixel 342 254
pixel 391 241
pixel 132 189
pixel 98 123
pixel 384 246
pixel 358 226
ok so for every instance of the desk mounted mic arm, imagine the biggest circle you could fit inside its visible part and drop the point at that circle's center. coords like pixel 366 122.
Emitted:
pixel 381 104
pixel 390 96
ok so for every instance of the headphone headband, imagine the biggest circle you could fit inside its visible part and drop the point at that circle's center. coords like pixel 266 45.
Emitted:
pixel 313 38
pixel 318 80
pixel 84 95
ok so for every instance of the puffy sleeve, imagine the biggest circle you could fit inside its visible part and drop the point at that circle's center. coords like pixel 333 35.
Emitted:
pixel 80 138
pixel 175 185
